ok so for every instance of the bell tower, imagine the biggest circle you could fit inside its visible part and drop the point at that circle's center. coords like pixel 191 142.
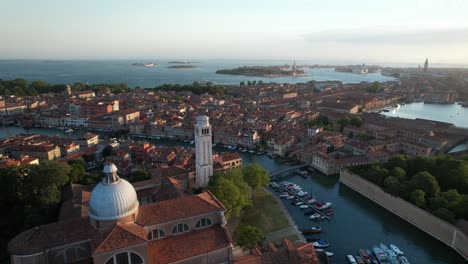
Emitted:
pixel 203 151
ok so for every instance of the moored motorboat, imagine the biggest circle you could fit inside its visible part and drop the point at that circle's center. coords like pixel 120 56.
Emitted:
pixel 359 260
pixel 403 260
pixel 322 205
pixel 392 257
pixel 321 244
pixel 304 206
pixel 301 193
pixel 373 260
pixel 298 203
pixel 351 259
pixel 380 255
pixel 396 250
pixel 314 216
pixel 329 212
pixel 312 230
pixel 329 254
pixel 290 197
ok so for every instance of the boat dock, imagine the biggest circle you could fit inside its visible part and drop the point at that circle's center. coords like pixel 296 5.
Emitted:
pixel 311 206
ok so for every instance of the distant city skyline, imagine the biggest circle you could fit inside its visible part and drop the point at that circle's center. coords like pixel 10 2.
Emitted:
pixel 405 32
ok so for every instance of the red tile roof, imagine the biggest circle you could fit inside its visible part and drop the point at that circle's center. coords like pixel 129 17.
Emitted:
pixel 180 247
pixel 120 236
pixel 178 208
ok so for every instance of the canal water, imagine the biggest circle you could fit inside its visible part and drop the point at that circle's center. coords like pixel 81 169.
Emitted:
pixel 357 222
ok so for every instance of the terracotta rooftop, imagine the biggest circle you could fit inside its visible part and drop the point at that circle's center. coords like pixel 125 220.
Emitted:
pixel 182 246
pixel 178 208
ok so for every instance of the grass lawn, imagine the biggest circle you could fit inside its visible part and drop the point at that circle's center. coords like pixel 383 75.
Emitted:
pixel 265 213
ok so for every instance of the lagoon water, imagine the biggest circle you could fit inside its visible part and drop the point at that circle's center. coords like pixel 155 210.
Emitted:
pixel 121 71
pixel 450 113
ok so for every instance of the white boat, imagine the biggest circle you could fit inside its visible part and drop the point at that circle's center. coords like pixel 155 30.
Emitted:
pixel 322 205
pixel 214 144
pixel 396 250
pixel 290 197
pixel 351 259
pixel 284 195
pixel 244 150
pixel 321 244
pixel 311 201
pixel 252 151
pixel 329 254
pixel 314 216
pixel 301 193
pixel 304 206
pixel 192 142
pixel 403 260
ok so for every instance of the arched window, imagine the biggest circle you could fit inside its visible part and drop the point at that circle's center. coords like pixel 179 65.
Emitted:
pixel 180 228
pixel 203 222
pixel 125 258
pixel 156 234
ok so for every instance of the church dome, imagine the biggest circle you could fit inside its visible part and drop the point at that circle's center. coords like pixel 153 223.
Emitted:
pixel 113 198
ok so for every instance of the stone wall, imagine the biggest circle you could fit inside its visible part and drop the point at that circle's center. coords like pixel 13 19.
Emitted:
pixel 444 231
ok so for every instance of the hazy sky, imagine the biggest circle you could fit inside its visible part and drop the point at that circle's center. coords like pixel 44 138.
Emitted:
pixel 374 31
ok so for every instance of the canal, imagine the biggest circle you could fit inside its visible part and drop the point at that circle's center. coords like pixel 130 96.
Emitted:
pixel 357 222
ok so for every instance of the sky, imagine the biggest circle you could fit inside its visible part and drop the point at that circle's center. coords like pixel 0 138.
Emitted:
pixel 358 31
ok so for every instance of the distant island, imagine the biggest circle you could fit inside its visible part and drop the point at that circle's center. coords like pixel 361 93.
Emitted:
pixel 182 67
pixel 145 64
pixel 358 69
pixel 179 62
pixel 266 71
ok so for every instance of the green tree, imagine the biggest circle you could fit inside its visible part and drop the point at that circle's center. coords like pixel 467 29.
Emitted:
pixel 228 194
pixel 425 181
pixel 356 121
pixel 375 87
pixel 255 176
pixel 241 84
pixel 47 180
pixel 250 237
pixel 399 173
pixel 343 122
pixel 461 209
pixel 77 172
pixel 438 202
pixel 418 198
pixel 107 151
pixel 139 175
pixel 391 185
pixel 452 196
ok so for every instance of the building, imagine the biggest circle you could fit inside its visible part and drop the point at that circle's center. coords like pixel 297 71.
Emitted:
pixel 227 161
pixel 203 151
pixel 109 226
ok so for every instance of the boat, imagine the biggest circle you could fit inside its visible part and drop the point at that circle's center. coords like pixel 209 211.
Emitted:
pixel 69 130
pixel 322 205
pixel 298 203
pixel 403 260
pixel 244 150
pixel 380 255
pixel 192 142
pixel 359 260
pixel 329 212
pixel 312 230
pixel 252 151
pixel 384 247
pixel 301 193
pixel 283 195
pixel 304 206
pixel 321 244
pixel 396 250
pixel 385 110
pixel 329 254
pixel 290 197
pixel 314 216
pixel 392 257
pixel 364 256
pixel 351 259
pixel 311 201
pixel 372 259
